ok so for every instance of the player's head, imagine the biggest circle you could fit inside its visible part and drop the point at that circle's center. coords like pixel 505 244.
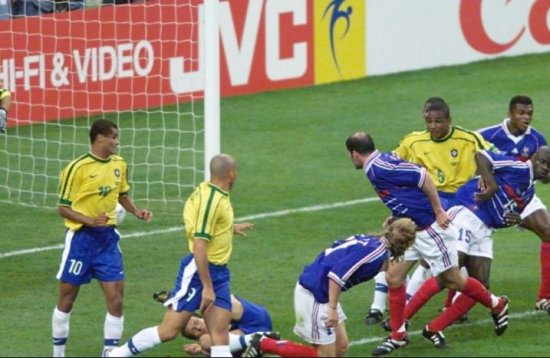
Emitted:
pixel 428 103
pixel 437 116
pixel 223 169
pixel 104 137
pixel 520 112
pixel 400 235
pixel 541 164
pixel 359 146
pixel 195 328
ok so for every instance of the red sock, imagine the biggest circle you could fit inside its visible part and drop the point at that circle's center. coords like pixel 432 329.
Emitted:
pixel 285 348
pixel 457 309
pixel 397 300
pixel 423 295
pixel 449 299
pixel 544 291
pixel 476 291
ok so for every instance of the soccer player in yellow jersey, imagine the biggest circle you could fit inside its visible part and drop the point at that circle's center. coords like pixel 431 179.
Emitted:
pixel 203 281
pixel 448 153
pixel 89 190
pixel 5 103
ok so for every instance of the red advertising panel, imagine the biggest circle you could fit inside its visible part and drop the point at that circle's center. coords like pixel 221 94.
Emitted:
pixel 124 57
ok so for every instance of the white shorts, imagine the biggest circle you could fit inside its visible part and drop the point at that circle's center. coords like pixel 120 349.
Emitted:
pixel 311 316
pixel 436 246
pixel 474 236
pixel 534 205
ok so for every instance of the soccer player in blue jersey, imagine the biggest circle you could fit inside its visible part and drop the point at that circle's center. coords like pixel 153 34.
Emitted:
pixel 89 190
pixel 515 136
pixel 478 216
pixel 347 263
pixel 448 154
pixel 408 191
pixel 203 280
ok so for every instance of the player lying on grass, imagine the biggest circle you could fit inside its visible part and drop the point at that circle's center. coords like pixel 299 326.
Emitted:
pixel 251 326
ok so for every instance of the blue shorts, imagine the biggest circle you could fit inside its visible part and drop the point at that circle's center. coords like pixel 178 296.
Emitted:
pixel 91 253
pixel 187 293
pixel 255 318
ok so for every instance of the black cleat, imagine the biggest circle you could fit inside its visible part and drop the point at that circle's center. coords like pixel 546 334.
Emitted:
pixel 161 296
pixel 253 349
pixel 389 345
pixel 500 317
pixel 437 338
pixel 374 316
pixel 543 305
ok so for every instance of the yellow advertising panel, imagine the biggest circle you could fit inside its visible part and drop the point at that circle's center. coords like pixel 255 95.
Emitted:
pixel 339 40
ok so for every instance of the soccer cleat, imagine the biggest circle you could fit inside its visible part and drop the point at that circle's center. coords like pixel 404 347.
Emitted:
pixel 500 316
pixel 374 316
pixel 161 296
pixel 106 352
pixel 543 305
pixel 437 338
pixel 389 345
pixel 386 324
pixel 253 349
pixel 273 335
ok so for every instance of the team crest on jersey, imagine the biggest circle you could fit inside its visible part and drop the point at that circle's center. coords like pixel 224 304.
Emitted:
pixel 117 172
pixel 525 152
pixel 454 153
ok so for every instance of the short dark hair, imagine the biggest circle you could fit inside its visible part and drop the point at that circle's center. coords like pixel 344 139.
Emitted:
pixel 434 99
pixel 438 104
pixel 101 126
pixel 360 142
pixel 519 100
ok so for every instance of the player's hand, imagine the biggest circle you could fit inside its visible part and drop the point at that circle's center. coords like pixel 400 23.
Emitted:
pixel 240 229
pixel 100 220
pixel 443 219
pixel 512 218
pixel 144 215
pixel 486 191
pixel 332 317
pixel 208 298
pixel 192 349
pixel 3 119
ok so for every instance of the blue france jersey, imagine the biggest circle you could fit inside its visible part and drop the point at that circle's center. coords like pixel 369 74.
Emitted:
pixel 347 262
pixel 521 147
pixel 399 184
pixel 514 179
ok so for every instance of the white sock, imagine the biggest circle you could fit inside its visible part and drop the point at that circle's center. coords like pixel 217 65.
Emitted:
pixel 420 275
pixel 141 341
pixel 237 343
pixel 220 351
pixel 112 331
pixel 60 331
pixel 380 292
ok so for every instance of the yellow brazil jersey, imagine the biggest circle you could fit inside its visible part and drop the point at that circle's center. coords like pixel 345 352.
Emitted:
pixel 208 215
pixel 91 186
pixel 450 161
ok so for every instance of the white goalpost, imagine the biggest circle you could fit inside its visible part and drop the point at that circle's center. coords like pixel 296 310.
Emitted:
pixel 151 67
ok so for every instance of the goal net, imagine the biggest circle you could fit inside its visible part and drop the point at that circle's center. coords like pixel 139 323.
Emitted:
pixel 141 65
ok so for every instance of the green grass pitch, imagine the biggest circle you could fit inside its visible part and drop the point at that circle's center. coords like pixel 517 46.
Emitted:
pixel 297 185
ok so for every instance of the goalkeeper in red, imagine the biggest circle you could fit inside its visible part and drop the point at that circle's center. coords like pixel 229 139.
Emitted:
pixel 90 187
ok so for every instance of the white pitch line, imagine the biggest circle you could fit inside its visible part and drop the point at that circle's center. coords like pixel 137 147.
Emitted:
pixel 518 315
pixel 179 228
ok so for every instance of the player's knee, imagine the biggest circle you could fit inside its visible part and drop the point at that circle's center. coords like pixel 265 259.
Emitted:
pixel 342 349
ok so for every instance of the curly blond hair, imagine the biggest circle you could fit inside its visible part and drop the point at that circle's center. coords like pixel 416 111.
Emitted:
pixel 400 235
